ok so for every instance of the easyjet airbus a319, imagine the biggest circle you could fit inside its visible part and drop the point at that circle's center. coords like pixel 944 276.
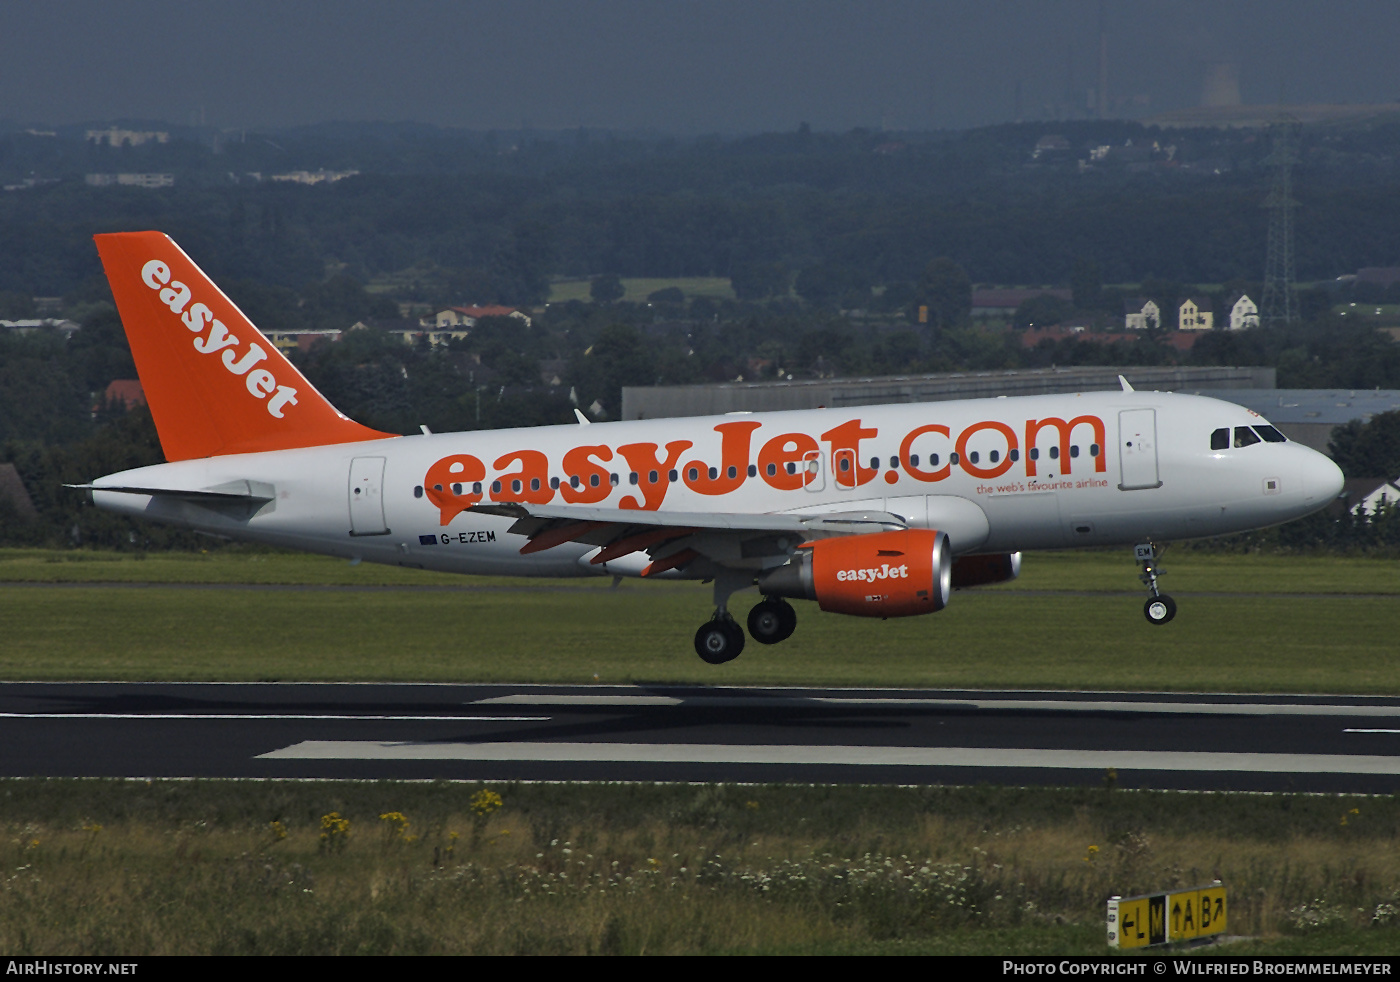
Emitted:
pixel 874 511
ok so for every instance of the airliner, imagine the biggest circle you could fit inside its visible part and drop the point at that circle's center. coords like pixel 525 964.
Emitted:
pixel 872 511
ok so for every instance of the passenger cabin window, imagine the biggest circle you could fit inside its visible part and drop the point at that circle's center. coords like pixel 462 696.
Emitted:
pixel 1270 434
pixel 1220 439
pixel 1244 436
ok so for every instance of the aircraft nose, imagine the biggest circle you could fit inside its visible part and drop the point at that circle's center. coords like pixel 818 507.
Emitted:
pixel 1322 479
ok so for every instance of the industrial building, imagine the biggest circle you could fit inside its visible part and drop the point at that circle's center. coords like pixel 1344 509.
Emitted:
pixel 1307 416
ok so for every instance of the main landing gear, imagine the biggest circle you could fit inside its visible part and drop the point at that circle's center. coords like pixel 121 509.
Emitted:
pixel 721 639
pixel 1159 608
pixel 772 620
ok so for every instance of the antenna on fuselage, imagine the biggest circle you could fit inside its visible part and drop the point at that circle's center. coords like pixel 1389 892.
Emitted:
pixel 1127 386
pixel 582 419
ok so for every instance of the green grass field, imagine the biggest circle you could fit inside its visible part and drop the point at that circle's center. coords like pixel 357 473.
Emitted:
pixel 1071 621
pixel 198 867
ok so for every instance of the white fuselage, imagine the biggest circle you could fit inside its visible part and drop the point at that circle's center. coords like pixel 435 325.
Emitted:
pixel 999 475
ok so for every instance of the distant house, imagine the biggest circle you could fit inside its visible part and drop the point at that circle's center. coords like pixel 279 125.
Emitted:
pixel 1244 313
pixel 1364 495
pixel 411 331
pixel 1141 314
pixel 314 176
pixel 1051 143
pixel 115 137
pixel 1195 314
pixel 1384 276
pixel 126 391
pixel 1003 303
pixel 468 316
pixel 29 325
pixel 130 180
pixel 302 340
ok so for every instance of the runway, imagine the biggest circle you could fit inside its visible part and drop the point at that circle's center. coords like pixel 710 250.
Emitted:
pixel 686 733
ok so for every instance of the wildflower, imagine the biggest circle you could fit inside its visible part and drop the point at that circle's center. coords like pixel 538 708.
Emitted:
pixel 279 831
pixel 1089 856
pixel 335 831
pixel 485 801
pixel 396 826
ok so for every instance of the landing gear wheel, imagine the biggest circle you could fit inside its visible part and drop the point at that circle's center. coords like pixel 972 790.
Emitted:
pixel 772 621
pixel 719 641
pixel 1159 609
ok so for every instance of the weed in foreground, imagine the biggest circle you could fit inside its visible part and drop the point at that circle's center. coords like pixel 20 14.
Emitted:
pixel 197 867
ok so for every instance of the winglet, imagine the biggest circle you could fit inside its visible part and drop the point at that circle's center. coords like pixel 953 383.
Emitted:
pixel 1127 386
pixel 215 385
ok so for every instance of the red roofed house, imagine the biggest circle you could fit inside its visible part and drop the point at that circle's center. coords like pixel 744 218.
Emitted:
pixel 127 391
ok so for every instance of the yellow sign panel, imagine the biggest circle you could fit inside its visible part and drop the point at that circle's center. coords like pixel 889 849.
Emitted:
pixel 1136 922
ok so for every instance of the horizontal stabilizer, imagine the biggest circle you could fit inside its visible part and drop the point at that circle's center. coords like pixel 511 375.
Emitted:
pixel 250 491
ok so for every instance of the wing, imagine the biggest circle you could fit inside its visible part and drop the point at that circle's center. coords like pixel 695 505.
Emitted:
pixel 687 541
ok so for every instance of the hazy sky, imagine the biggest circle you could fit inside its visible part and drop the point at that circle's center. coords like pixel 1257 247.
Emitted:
pixel 681 66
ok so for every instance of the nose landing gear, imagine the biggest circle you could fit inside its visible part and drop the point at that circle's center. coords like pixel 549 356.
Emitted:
pixel 1159 608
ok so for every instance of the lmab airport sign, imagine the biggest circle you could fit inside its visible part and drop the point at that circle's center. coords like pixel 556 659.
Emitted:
pixel 1162 918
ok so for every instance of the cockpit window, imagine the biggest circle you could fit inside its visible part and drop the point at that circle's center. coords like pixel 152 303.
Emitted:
pixel 1270 434
pixel 1244 436
pixel 1220 439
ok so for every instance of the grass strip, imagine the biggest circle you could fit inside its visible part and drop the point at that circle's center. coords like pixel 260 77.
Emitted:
pixel 985 639
pixel 277 867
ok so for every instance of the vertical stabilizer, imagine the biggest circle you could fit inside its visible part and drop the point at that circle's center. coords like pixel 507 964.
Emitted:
pixel 215 385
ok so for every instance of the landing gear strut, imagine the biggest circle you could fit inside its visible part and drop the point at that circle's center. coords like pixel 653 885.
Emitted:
pixel 720 639
pixel 1159 608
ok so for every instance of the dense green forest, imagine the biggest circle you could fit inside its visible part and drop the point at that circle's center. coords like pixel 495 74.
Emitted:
pixel 506 211
pixel 831 244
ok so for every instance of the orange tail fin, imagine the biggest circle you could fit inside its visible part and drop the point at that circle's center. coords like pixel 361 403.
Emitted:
pixel 215 385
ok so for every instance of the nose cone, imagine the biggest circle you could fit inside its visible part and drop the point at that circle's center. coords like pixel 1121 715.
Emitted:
pixel 1322 479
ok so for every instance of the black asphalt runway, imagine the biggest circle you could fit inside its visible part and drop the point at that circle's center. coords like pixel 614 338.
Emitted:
pixel 683 733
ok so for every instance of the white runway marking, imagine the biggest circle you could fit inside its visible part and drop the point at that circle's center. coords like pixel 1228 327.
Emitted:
pixel 1370 731
pixel 935 704
pixel 315 716
pixel 702 753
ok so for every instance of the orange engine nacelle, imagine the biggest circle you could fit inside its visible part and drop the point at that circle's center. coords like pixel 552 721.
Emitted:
pixel 884 574
pixel 982 570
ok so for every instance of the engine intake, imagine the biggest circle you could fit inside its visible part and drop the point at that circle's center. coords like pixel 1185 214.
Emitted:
pixel 882 574
pixel 982 570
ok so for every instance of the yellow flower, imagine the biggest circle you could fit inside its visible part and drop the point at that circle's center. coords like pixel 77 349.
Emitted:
pixel 485 801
